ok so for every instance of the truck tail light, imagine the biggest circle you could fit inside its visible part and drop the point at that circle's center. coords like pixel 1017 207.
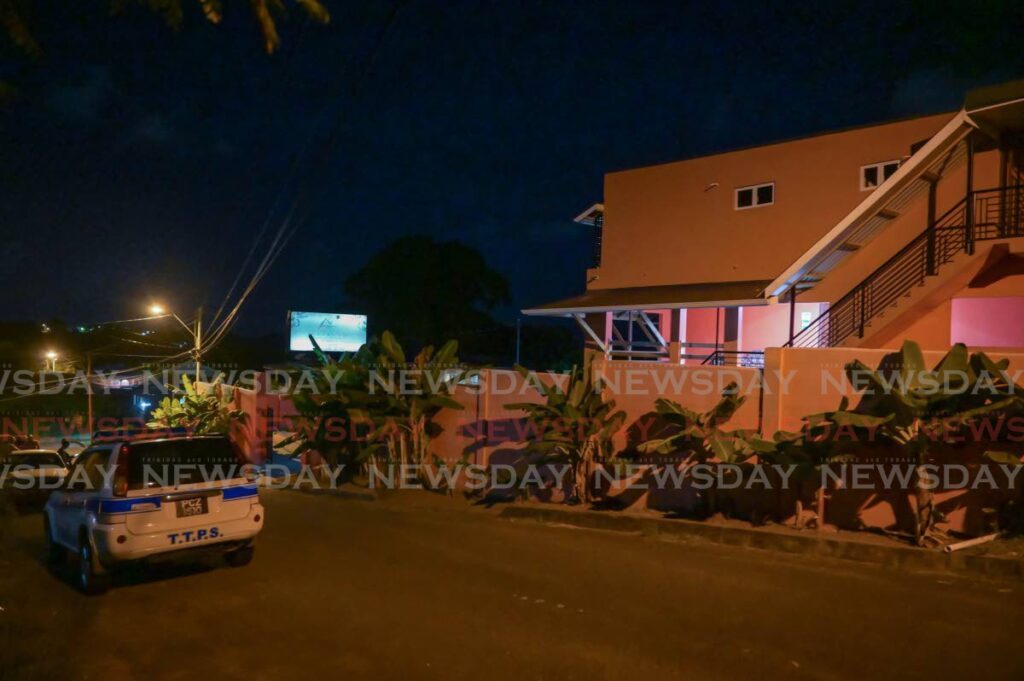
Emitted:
pixel 121 472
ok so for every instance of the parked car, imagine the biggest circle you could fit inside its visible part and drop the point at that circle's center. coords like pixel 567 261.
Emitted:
pixel 136 496
pixel 32 474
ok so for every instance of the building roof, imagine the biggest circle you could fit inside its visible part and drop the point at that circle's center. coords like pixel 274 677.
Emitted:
pixel 590 215
pixel 999 107
pixel 674 297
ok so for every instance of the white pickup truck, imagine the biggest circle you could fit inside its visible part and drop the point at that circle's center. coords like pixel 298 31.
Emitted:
pixel 134 496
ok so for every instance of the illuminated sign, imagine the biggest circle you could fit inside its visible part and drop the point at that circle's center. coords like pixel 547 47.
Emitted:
pixel 333 332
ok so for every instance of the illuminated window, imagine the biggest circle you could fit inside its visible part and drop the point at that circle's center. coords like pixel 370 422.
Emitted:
pixel 875 174
pixel 806 318
pixel 755 196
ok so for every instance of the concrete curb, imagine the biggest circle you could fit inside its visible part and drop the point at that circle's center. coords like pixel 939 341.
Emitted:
pixel 337 493
pixel 889 556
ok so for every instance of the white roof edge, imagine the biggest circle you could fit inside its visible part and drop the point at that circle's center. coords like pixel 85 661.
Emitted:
pixel 870 205
pixel 568 311
pixel 997 105
pixel 586 216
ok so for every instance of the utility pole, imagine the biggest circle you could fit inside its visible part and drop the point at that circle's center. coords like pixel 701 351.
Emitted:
pixel 88 394
pixel 199 340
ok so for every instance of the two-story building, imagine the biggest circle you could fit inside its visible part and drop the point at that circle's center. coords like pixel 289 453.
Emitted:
pixel 911 229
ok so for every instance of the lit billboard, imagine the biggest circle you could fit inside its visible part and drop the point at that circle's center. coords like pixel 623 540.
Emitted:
pixel 333 332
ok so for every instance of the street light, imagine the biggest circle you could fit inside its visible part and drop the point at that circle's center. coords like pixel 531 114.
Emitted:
pixel 51 360
pixel 158 310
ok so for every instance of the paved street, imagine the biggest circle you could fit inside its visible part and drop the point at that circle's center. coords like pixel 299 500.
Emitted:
pixel 406 588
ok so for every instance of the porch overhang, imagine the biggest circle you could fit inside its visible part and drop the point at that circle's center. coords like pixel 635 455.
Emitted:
pixel 673 297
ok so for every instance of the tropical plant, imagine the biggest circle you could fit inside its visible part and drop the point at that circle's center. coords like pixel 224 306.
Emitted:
pixel 267 13
pixel 914 408
pixel 573 425
pixel 335 405
pixel 807 452
pixel 701 436
pixel 415 392
pixel 375 405
pixel 201 412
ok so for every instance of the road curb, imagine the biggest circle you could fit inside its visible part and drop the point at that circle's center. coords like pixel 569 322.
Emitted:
pixel 337 493
pixel 889 556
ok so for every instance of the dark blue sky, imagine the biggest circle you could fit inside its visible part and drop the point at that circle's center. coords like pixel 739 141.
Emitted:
pixel 140 163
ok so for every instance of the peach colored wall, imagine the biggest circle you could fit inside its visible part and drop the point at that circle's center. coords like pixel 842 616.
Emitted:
pixel 768 326
pixel 699 326
pixel 931 329
pixel 664 225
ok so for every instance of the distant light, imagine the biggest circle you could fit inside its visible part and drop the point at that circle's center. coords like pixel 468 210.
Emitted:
pixel 157 309
pixel 50 354
pixel 144 405
pixel 46 328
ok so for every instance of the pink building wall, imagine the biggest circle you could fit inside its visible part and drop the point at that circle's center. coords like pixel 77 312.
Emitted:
pixel 988 322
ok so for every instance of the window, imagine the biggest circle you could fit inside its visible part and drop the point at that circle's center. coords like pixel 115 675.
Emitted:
pixel 90 468
pixel 875 174
pixel 755 196
pixel 806 317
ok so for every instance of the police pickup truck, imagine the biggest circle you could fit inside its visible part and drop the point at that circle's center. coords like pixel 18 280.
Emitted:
pixel 135 495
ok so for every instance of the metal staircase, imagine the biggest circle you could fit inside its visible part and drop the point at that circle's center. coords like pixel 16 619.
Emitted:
pixel 982 215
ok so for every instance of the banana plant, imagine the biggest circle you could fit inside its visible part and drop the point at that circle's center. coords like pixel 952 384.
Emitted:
pixel 701 436
pixel 414 393
pixel 908 405
pixel 336 406
pixel 203 413
pixel 574 424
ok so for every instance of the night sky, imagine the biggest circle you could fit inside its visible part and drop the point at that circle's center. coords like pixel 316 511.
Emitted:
pixel 139 164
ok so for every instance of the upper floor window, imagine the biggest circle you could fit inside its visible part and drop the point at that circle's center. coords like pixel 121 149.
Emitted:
pixel 875 174
pixel 755 195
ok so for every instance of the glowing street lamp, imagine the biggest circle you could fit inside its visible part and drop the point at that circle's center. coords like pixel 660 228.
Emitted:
pixel 51 360
pixel 158 310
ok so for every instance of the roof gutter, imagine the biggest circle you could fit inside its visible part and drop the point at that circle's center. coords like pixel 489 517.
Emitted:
pixel 569 311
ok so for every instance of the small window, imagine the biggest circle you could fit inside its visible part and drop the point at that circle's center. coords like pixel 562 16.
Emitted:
pixel 875 174
pixel 806 317
pixel 755 196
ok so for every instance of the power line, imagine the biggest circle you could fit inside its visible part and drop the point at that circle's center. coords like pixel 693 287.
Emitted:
pixel 305 194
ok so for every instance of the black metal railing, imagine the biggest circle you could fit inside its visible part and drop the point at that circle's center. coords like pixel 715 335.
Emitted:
pixel 595 253
pixel 994 214
pixel 735 358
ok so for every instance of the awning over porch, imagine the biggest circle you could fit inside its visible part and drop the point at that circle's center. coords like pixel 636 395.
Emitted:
pixel 674 297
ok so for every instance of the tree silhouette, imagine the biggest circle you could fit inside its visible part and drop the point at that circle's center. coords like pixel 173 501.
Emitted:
pixel 427 291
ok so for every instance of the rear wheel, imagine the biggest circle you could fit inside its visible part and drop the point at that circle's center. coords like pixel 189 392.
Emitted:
pixel 240 557
pixel 92 578
pixel 54 551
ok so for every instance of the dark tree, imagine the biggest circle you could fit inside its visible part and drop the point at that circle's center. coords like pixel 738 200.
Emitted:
pixel 427 291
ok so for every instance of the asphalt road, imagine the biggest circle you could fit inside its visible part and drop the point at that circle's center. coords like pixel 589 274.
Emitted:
pixel 407 589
